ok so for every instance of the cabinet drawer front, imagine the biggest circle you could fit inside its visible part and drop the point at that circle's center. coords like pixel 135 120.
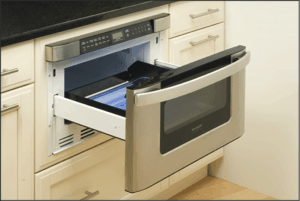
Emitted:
pixel 17 61
pixel 99 169
pixel 181 21
pixel 182 52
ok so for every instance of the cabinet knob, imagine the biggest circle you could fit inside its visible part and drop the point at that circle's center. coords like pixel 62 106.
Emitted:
pixel 90 195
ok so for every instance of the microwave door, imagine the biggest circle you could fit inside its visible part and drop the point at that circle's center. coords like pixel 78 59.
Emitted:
pixel 194 111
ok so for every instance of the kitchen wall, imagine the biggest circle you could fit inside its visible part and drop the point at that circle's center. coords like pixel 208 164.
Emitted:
pixel 265 158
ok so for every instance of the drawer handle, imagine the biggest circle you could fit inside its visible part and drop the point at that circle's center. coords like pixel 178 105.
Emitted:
pixel 210 37
pixel 90 195
pixel 9 107
pixel 210 11
pixel 7 72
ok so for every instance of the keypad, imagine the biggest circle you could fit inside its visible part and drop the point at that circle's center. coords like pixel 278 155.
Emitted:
pixel 105 39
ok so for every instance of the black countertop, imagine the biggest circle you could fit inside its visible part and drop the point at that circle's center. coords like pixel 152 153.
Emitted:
pixel 26 20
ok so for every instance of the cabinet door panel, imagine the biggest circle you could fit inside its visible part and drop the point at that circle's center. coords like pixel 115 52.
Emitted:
pixel 182 52
pixel 17 138
pixel 9 155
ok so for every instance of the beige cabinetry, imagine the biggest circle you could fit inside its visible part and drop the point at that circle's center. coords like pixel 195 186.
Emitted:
pixel 17 128
pixel 101 171
pixel 17 65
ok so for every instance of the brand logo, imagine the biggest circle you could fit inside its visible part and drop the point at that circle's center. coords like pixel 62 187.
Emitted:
pixel 197 128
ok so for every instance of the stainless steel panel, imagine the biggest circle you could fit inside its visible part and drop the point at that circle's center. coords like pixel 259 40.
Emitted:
pixel 162 24
pixel 62 52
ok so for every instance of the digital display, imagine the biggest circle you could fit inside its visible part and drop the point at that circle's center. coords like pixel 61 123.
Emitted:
pixel 117 35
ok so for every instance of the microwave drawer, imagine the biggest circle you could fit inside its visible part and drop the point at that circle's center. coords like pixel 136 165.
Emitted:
pixel 168 117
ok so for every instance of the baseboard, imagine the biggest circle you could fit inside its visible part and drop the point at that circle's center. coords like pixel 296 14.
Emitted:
pixel 181 185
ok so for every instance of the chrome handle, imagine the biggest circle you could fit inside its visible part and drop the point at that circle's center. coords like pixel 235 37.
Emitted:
pixel 210 11
pixel 90 195
pixel 210 37
pixel 185 88
pixel 7 72
pixel 9 107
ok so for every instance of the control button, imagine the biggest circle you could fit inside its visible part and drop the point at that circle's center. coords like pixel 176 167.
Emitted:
pixel 100 43
pixel 104 41
pixel 107 41
pixel 148 25
pixel 106 36
pixel 149 29
pixel 127 35
pixel 88 46
pixel 83 47
pixel 99 38
pixel 139 32
pixel 95 39
pixel 91 40
pixel 96 44
pixel 83 43
pixel 87 42
pixel 132 33
pixel 92 45
pixel 103 37
pixel 127 30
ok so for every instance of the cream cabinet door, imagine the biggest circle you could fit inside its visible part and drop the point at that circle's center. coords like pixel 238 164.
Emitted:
pixel 206 42
pixel 17 138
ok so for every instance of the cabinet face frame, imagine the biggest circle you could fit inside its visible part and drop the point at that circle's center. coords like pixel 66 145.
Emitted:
pixel 23 142
pixel 42 160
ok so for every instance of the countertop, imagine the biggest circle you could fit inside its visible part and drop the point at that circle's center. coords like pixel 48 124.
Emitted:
pixel 26 20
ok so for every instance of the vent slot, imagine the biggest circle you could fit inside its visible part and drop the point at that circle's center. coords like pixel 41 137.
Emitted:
pixel 66 140
pixel 91 130
pixel 66 137
pixel 66 144
pixel 85 129
pixel 87 135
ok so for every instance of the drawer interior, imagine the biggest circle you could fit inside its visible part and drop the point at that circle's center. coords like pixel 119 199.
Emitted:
pixel 109 94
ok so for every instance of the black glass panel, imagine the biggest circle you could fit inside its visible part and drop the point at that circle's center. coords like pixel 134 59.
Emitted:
pixel 189 116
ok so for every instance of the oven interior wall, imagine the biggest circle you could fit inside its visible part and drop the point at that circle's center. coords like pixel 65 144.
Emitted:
pixel 91 71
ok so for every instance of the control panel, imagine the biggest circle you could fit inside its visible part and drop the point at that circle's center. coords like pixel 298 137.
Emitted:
pixel 116 36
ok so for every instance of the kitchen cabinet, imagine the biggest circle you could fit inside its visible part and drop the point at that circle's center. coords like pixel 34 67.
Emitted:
pixel 17 62
pixel 206 41
pixel 204 14
pixel 17 139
